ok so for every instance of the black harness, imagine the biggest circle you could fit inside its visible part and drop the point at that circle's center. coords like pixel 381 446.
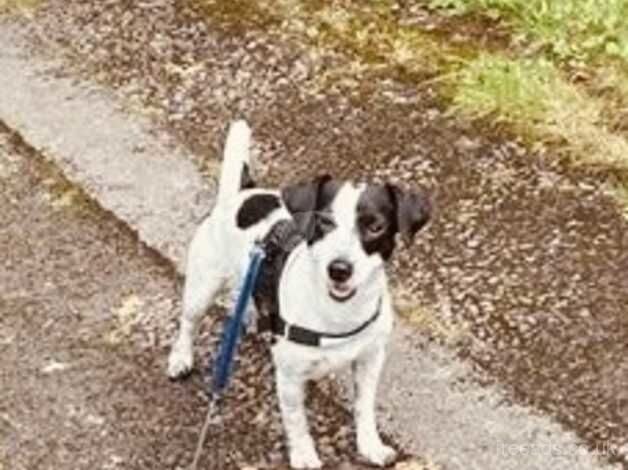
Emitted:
pixel 282 239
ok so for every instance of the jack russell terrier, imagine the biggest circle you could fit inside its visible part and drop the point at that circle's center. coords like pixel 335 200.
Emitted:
pixel 322 291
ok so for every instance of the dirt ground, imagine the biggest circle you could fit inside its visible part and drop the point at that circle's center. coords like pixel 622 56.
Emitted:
pixel 526 261
pixel 86 315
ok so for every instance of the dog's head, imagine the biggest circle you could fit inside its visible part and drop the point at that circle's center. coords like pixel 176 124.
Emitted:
pixel 351 229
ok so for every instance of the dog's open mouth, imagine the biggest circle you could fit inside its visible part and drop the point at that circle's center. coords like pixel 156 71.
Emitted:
pixel 341 292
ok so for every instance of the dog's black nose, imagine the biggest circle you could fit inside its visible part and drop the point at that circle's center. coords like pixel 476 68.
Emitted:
pixel 340 270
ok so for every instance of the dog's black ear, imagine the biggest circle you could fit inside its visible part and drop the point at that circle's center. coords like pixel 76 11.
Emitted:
pixel 303 200
pixel 304 197
pixel 413 210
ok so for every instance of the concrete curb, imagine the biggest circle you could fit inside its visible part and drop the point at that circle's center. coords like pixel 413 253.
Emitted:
pixel 145 180
pixel 141 176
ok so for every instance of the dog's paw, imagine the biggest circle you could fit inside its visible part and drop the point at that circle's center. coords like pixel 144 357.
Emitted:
pixel 304 458
pixel 180 362
pixel 378 453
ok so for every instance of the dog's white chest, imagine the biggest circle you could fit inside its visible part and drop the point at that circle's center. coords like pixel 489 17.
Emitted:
pixel 330 361
pixel 310 363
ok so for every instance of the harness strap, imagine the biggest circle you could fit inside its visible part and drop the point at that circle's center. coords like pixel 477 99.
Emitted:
pixel 297 334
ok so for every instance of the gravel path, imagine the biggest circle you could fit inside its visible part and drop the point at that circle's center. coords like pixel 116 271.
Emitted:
pixel 524 268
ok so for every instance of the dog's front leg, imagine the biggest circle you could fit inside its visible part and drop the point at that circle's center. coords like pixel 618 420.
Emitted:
pixel 366 372
pixel 291 392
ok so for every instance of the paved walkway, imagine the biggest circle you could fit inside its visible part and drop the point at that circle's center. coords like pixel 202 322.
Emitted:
pixel 134 171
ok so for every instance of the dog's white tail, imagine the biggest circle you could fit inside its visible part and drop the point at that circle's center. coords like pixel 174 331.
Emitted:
pixel 235 160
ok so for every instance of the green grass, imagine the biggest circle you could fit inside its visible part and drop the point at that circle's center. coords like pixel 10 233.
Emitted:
pixel 569 29
pixel 18 5
pixel 533 96
pixel 564 81
pixel 510 90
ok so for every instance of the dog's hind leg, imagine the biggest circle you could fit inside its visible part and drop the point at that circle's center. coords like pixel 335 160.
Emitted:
pixel 205 275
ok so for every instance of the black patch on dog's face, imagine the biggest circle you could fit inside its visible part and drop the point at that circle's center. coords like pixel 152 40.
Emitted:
pixel 376 220
pixel 256 208
pixel 310 203
pixel 383 211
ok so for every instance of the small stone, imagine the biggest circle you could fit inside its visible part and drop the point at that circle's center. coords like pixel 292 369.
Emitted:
pixel 465 144
pixel 54 366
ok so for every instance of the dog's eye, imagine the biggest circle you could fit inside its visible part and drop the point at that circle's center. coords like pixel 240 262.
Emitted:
pixel 325 221
pixel 372 226
pixel 375 228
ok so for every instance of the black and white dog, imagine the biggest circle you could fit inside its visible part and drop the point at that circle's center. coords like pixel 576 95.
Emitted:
pixel 323 284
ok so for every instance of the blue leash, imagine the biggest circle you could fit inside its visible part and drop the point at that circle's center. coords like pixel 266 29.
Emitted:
pixel 234 325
